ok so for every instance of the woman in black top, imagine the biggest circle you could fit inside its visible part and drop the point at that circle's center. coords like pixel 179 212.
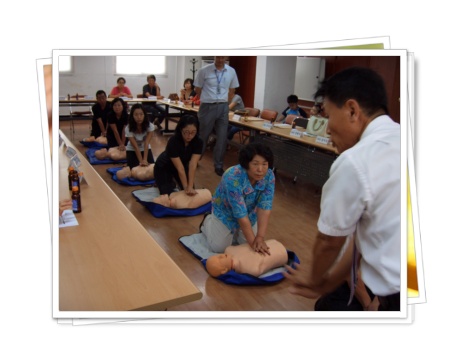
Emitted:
pixel 178 162
pixel 187 93
pixel 117 120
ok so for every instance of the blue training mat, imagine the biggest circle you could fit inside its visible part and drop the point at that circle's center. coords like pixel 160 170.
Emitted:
pixel 145 197
pixel 128 181
pixel 93 160
pixel 93 144
pixel 197 245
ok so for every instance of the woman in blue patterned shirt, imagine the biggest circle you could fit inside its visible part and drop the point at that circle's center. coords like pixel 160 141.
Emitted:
pixel 242 202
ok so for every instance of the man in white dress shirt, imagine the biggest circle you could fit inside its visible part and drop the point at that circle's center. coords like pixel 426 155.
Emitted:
pixel 362 194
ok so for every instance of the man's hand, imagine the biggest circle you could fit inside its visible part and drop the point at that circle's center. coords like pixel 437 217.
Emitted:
pixel 300 281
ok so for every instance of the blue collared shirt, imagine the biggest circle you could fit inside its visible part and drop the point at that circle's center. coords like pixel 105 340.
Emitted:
pixel 236 198
pixel 210 80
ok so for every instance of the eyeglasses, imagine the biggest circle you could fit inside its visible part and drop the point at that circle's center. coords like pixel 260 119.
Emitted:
pixel 189 132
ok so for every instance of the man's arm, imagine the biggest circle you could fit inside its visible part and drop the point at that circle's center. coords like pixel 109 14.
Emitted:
pixel 325 273
pixel 231 94
pixel 146 92
pixel 198 91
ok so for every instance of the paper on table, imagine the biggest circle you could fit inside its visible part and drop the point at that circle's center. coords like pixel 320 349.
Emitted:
pixel 282 125
pixel 68 219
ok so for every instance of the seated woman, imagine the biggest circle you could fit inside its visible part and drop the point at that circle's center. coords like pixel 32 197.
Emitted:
pixel 113 153
pixel 141 173
pixel 243 259
pixel 101 139
pixel 187 93
pixel 120 90
pixel 180 200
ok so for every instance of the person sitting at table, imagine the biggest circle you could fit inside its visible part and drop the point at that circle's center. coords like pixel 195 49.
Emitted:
pixel 158 111
pixel 100 111
pixel 243 259
pixel 112 153
pixel 316 109
pixel 139 133
pixel 139 173
pixel 236 103
pixel 179 160
pixel 187 93
pixel 120 90
pixel 101 139
pixel 293 108
pixel 117 120
pixel 181 200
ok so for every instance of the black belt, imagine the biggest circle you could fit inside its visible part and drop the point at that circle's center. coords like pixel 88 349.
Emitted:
pixel 390 302
pixel 217 103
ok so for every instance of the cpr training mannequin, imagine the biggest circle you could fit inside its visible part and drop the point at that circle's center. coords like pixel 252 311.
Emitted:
pixel 243 259
pixel 181 200
pixel 101 140
pixel 113 153
pixel 139 172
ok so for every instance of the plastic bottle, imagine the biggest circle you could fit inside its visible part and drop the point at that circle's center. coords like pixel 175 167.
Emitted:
pixel 76 202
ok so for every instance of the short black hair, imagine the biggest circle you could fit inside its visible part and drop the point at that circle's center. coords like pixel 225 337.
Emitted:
pixel 190 81
pixel 124 104
pixel 247 153
pixel 152 76
pixel 185 120
pixel 100 92
pixel 131 120
pixel 121 78
pixel 361 84
pixel 292 98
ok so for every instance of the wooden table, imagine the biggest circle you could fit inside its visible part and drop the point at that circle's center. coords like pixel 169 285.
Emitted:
pixel 109 262
pixel 302 157
pixel 178 106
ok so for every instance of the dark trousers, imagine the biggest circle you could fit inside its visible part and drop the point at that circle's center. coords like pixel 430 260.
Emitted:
pixel 157 111
pixel 167 179
pixel 338 299
pixel 390 303
pixel 132 160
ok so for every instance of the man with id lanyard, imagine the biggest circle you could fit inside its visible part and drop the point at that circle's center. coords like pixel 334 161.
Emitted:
pixel 215 85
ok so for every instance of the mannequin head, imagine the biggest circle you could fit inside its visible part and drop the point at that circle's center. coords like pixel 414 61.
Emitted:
pixel 101 153
pixel 123 173
pixel 219 264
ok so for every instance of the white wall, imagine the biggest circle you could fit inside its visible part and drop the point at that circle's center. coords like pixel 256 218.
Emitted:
pixel 279 82
pixel 308 74
pixel 92 73
pixel 275 78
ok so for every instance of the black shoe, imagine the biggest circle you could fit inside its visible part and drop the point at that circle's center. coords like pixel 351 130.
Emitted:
pixel 203 219
pixel 219 171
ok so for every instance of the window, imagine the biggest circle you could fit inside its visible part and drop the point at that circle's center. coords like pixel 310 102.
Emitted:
pixel 140 65
pixel 65 64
